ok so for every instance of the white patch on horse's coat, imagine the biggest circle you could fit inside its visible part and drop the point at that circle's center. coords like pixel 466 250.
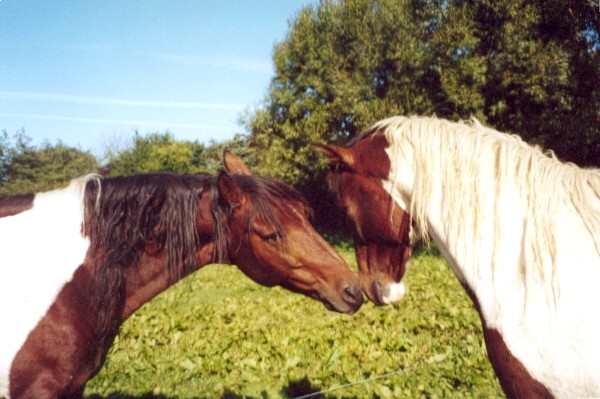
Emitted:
pixel 396 292
pixel 41 249
pixel 522 234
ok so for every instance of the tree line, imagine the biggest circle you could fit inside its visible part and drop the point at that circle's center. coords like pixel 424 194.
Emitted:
pixel 25 168
pixel 530 67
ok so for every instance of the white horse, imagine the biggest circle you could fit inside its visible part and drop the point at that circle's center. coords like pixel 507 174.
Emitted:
pixel 520 230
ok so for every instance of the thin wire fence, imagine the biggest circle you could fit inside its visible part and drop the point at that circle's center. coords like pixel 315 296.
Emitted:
pixel 434 359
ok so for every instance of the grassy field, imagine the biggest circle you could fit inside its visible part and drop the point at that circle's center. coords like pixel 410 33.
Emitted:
pixel 219 335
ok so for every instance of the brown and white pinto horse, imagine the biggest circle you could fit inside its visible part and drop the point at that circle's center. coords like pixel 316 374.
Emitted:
pixel 520 230
pixel 77 262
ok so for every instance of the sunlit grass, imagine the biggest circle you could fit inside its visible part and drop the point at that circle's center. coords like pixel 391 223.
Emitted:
pixel 219 335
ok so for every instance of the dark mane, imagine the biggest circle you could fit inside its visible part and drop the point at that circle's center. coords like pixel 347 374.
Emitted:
pixel 157 211
pixel 154 212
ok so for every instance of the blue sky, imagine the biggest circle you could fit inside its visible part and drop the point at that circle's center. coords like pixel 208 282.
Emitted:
pixel 91 73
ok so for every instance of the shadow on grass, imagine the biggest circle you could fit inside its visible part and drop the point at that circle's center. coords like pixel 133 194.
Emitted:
pixel 120 395
pixel 295 389
pixel 300 388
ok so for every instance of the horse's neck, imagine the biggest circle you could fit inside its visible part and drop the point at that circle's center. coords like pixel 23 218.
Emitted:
pixel 510 277
pixel 482 250
pixel 152 276
pixel 484 253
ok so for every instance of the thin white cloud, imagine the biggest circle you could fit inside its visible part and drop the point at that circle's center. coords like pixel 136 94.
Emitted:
pixel 115 121
pixel 56 97
pixel 220 61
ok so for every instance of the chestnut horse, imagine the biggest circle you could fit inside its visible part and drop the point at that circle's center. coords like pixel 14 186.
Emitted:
pixel 520 230
pixel 383 237
pixel 79 261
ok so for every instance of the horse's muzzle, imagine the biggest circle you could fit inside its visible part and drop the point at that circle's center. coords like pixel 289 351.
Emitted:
pixel 352 295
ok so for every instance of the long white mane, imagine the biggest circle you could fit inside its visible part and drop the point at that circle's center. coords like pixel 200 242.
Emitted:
pixel 473 166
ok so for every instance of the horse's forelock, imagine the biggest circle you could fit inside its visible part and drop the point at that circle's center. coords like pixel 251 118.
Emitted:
pixel 267 194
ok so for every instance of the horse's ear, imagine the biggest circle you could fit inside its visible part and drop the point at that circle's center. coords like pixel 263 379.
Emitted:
pixel 230 194
pixel 338 156
pixel 235 164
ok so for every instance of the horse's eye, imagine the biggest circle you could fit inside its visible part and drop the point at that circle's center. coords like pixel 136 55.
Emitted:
pixel 271 238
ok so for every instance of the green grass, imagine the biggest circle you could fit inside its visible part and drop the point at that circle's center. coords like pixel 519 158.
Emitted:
pixel 219 335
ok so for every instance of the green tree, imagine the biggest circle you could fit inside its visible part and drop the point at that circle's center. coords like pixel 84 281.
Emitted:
pixel 573 128
pixel 25 168
pixel 158 152
pixel 238 145
pixel 342 66
pixel 530 68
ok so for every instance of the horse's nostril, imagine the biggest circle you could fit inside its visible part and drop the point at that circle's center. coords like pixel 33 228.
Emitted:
pixel 378 293
pixel 353 295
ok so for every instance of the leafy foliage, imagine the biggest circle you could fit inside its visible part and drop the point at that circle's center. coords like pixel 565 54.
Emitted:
pixel 25 168
pixel 217 334
pixel 163 153
pixel 158 152
pixel 531 68
pixel 342 66
pixel 237 145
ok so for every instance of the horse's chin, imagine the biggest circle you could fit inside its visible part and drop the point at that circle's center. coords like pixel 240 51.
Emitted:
pixel 329 306
pixel 346 309
pixel 341 306
pixel 348 301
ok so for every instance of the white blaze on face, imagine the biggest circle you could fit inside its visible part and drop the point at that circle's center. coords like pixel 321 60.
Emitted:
pixel 39 251
pixel 395 292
